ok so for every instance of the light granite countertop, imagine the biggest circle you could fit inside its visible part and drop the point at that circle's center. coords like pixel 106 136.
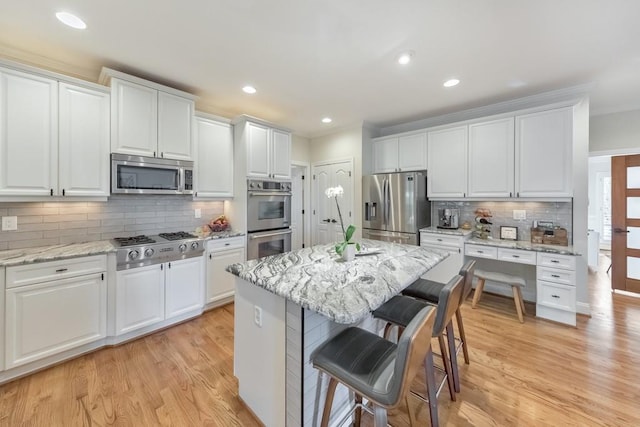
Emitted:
pixel 524 245
pixel 456 232
pixel 220 234
pixel 56 252
pixel 344 291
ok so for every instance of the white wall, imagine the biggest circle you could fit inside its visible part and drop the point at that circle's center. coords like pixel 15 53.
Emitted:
pixel 341 145
pixel 300 150
pixel 617 131
pixel 597 165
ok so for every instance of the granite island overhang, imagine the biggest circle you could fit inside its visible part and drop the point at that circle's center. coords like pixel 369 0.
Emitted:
pixel 288 304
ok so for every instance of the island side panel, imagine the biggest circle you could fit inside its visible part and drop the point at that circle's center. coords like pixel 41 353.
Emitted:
pixel 260 351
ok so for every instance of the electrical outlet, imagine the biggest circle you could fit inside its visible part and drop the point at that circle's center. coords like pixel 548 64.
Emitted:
pixel 257 316
pixel 519 214
pixel 198 213
pixel 9 223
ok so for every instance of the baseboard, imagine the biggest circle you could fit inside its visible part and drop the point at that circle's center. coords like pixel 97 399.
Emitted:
pixel 583 308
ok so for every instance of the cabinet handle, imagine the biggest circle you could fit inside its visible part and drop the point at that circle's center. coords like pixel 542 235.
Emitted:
pixel 154 154
pixel 161 267
pixel 63 192
pixel 518 194
pixel 210 256
pixel 61 270
pixel 227 244
pixel 439 240
pixel 162 154
pixel 510 194
pixel 555 296
pixel 102 276
pixel 555 275
pixel 51 191
pixel 555 261
pixel 516 256
pixel 480 252
pixel 196 194
pixel 169 265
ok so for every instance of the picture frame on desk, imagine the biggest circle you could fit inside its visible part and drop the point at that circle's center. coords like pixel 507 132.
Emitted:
pixel 508 233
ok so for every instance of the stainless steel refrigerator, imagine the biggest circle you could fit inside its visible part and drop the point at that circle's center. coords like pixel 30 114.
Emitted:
pixel 395 207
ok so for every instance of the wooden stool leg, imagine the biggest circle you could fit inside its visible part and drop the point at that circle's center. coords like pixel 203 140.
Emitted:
pixel 478 293
pixel 358 414
pixel 412 417
pixel 518 300
pixel 432 390
pixel 524 310
pixel 331 390
pixel 463 337
pixel 446 361
pixel 387 330
pixel 451 340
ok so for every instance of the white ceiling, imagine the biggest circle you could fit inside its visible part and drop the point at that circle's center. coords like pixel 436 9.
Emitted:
pixel 310 59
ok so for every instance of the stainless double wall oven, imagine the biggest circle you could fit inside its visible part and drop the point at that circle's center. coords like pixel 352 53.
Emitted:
pixel 268 218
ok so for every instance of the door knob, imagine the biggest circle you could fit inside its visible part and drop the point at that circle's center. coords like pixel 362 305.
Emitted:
pixel 326 220
pixel 620 230
pixel 333 221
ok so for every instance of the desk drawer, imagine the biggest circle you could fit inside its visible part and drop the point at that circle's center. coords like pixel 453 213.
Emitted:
pixel 29 274
pixel 481 251
pixel 556 275
pixel 556 296
pixel 517 255
pixel 565 262
pixel 433 239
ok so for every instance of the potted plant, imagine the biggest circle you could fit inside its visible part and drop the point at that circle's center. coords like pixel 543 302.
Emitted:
pixel 346 248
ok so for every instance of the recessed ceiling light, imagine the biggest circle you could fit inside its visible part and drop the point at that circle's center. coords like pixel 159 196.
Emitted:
pixel 405 58
pixel 327 120
pixel 71 20
pixel 451 82
pixel 249 89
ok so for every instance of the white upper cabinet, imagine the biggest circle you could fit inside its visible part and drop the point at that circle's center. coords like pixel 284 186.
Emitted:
pixel 268 150
pixel 491 159
pixel 402 153
pixel 175 115
pixel 544 150
pixel 447 162
pixel 149 119
pixel 84 141
pixel 28 134
pixel 214 153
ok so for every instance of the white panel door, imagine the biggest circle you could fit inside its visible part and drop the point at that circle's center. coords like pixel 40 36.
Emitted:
pixel 175 118
pixel 214 158
pixel 281 154
pixel 447 162
pixel 139 298
pixel 184 286
pixel 491 159
pixel 134 119
pixel 220 283
pixel 544 152
pixel 84 142
pixel 297 207
pixel 385 155
pixel 28 134
pixel 342 176
pixel 412 152
pixel 323 207
pixel 52 317
pixel 258 150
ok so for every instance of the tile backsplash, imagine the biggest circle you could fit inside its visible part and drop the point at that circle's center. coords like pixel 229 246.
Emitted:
pixel 561 213
pixel 52 223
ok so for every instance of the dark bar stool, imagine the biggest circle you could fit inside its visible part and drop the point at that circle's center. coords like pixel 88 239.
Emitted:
pixel 399 310
pixel 429 291
pixel 375 368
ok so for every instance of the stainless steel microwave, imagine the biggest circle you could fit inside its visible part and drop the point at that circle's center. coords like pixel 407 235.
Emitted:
pixel 150 175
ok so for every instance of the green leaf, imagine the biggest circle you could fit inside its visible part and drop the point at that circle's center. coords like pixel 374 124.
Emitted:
pixel 340 247
pixel 350 230
pixel 358 246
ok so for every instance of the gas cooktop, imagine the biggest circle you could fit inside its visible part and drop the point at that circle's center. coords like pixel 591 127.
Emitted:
pixel 138 251
pixel 145 240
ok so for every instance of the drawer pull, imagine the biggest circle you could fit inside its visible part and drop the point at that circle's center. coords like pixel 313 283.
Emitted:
pixel 555 261
pixel 555 275
pixel 555 296
pixel 227 244
pixel 516 256
pixel 480 252
pixel 61 270
pixel 439 240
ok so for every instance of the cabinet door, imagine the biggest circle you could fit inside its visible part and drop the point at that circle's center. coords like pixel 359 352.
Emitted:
pixel 52 317
pixel 491 159
pixel 28 134
pixel 184 286
pixel 175 116
pixel 544 150
pixel 258 152
pixel 134 119
pixel 412 152
pixel 447 162
pixel 280 154
pixel 220 283
pixel 84 142
pixel 385 155
pixel 139 298
pixel 214 164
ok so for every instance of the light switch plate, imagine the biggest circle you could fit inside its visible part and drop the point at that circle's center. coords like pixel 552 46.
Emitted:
pixel 198 213
pixel 9 223
pixel 519 214
pixel 257 316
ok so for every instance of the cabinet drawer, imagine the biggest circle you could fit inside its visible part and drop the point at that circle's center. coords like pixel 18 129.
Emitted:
pixel 442 248
pixel 222 244
pixel 556 275
pixel 440 240
pixel 566 262
pixel 46 271
pixel 557 296
pixel 481 251
pixel 517 255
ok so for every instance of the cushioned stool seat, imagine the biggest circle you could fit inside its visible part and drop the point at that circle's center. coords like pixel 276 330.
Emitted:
pixel 516 283
pixel 424 289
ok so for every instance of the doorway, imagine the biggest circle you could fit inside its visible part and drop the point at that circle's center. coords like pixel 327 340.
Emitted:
pixel 300 200
pixel 326 219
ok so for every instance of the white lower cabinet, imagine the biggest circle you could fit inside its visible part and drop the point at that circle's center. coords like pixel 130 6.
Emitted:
pixel 51 317
pixel 220 254
pixel 451 266
pixel 556 288
pixel 149 295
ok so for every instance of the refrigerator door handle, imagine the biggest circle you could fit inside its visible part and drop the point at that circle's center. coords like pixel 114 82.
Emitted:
pixel 386 202
pixel 372 213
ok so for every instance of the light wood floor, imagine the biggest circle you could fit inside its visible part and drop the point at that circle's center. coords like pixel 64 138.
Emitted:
pixel 532 374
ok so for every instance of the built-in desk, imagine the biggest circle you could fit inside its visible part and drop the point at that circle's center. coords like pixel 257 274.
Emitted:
pixel 551 278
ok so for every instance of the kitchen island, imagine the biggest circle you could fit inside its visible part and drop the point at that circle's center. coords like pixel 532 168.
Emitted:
pixel 288 304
